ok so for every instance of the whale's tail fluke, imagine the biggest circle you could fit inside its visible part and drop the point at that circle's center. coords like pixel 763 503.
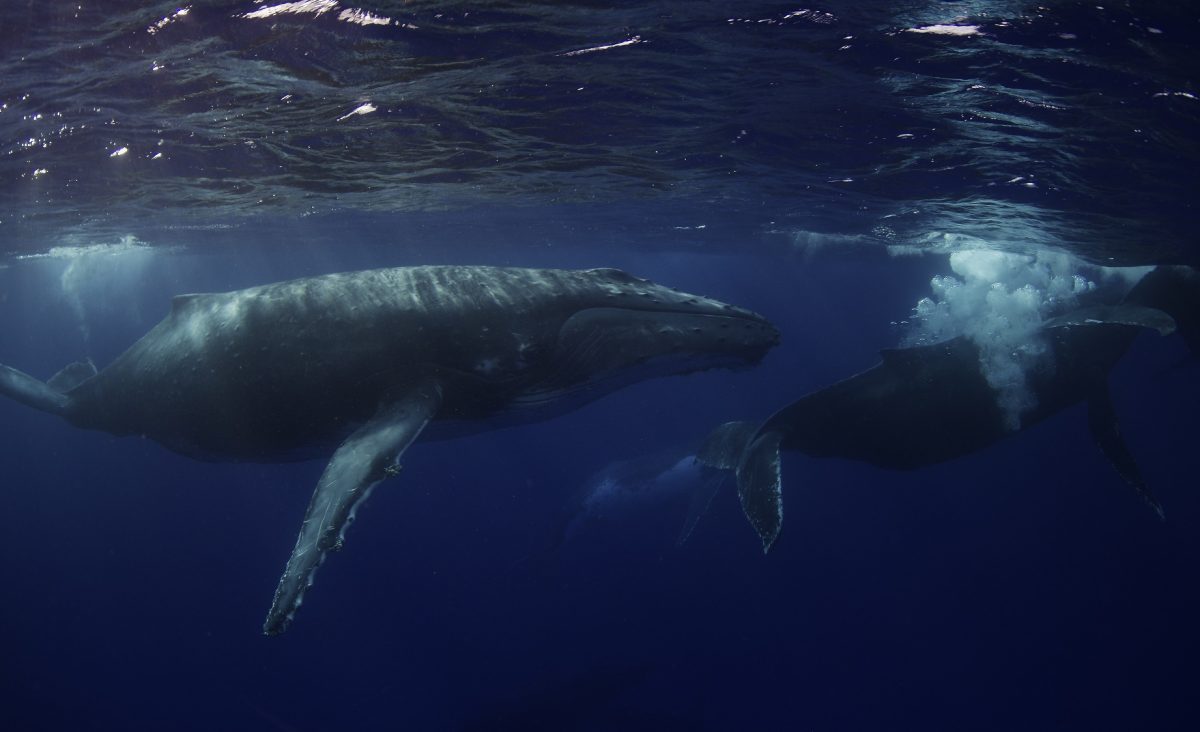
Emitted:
pixel 753 455
pixel 48 396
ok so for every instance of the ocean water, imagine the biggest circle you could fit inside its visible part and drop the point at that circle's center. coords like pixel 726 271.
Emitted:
pixel 865 175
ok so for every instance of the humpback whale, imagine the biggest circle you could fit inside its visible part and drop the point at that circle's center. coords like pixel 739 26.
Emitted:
pixel 628 487
pixel 361 364
pixel 928 404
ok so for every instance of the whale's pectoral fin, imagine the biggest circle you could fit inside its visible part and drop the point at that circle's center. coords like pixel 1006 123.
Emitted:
pixel 754 457
pixel 758 482
pixel 1102 419
pixel 1138 315
pixel 367 457
pixel 723 447
pixel 31 392
pixel 48 396
pixel 699 500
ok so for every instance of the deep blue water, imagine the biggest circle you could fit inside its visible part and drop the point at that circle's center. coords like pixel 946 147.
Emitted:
pixel 778 157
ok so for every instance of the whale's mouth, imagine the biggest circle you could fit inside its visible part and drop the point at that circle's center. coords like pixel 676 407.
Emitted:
pixel 600 350
pixel 602 344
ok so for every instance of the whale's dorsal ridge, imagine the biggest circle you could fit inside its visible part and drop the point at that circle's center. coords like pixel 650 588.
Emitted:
pixel 618 275
pixel 905 359
pixel 910 359
pixel 181 303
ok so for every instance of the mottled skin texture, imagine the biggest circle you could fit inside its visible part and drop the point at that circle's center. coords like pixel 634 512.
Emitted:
pixel 359 364
pixel 271 373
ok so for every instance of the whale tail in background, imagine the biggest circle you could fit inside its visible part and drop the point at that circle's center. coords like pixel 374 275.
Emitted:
pixel 753 455
pixel 48 396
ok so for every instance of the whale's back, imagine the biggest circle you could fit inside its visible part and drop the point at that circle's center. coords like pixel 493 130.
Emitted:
pixel 262 372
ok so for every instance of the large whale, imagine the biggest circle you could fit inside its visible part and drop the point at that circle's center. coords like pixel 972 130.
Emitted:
pixel 361 364
pixel 928 404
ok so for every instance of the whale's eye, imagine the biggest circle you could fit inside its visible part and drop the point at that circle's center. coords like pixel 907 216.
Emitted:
pixel 487 366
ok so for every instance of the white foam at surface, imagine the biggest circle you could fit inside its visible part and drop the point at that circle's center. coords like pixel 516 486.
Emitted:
pixel 946 29
pixel 999 300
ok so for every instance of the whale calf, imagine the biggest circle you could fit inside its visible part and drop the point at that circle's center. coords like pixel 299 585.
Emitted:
pixel 928 404
pixel 361 364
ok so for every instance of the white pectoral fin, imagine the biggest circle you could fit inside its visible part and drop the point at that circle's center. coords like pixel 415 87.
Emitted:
pixel 367 457
pixel 758 479
pixel 1102 420
pixel 1124 314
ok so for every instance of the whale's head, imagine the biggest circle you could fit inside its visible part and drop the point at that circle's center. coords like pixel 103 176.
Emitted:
pixel 624 328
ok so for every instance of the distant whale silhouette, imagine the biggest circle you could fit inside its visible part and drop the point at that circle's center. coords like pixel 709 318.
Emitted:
pixel 359 364
pixel 925 405
pixel 626 488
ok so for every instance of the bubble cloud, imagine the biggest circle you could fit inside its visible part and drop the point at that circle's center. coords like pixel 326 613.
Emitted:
pixel 999 300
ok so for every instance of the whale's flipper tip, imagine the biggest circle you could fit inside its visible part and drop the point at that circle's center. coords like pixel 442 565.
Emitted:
pixel 366 457
pixel 758 479
pixel 1102 420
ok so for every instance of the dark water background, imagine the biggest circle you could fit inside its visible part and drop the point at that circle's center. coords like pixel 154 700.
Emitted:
pixel 763 153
